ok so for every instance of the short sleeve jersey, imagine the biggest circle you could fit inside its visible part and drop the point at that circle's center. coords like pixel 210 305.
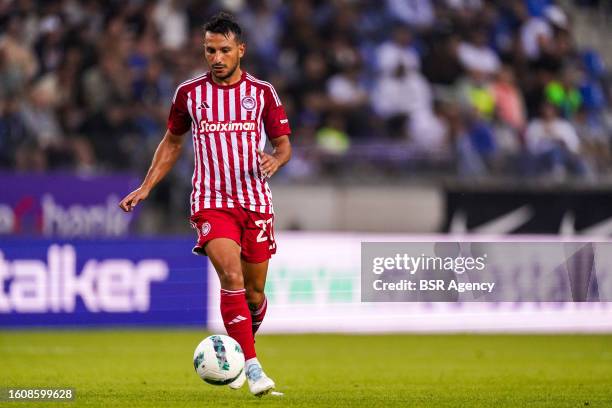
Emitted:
pixel 228 125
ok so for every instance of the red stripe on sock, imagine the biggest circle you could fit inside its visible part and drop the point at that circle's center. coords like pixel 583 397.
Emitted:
pixel 261 309
pixel 238 292
pixel 258 315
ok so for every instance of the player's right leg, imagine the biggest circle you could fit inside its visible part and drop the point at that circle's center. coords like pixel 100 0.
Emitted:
pixel 225 256
pixel 257 247
pixel 254 282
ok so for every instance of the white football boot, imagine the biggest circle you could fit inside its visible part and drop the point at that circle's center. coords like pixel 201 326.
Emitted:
pixel 239 381
pixel 259 383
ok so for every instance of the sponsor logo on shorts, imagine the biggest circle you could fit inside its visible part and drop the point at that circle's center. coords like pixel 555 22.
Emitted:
pixel 206 228
pixel 248 103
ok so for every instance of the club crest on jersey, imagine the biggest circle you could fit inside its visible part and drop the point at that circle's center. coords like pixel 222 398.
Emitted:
pixel 206 227
pixel 248 103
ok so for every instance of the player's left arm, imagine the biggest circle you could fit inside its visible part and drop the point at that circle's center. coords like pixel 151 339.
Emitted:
pixel 270 163
pixel 278 131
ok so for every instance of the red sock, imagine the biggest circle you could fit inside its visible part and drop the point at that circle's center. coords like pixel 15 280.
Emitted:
pixel 258 313
pixel 237 320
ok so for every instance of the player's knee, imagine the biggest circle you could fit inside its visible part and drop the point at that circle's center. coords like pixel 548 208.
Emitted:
pixel 231 276
pixel 230 279
pixel 254 296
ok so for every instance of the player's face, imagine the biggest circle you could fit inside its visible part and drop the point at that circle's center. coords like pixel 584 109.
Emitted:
pixel 222 54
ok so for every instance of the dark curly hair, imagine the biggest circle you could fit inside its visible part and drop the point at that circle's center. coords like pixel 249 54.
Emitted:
pixel 224 23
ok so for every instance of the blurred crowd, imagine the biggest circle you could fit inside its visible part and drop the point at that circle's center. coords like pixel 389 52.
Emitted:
pixel 460 87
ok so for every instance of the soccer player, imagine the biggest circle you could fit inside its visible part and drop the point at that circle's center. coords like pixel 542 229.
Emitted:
pixel 230 114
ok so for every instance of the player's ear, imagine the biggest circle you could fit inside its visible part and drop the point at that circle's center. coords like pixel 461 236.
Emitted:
pixel 241 49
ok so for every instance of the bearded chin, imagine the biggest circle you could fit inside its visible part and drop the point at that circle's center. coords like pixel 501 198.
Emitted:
pixel 229 73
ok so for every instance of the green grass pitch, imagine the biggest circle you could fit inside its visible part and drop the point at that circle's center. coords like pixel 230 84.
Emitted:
pixel 153 368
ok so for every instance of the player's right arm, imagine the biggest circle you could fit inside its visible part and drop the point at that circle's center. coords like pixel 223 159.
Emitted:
pixel 166 155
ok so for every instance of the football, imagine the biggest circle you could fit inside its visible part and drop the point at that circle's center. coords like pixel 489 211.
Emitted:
pixel 218 359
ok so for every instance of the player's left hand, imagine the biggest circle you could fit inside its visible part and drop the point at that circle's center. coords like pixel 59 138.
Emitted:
pixel 268 164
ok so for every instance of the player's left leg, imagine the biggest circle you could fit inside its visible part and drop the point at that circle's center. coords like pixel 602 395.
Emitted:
pixel 254 276
pixel 257 246
pixel 255 283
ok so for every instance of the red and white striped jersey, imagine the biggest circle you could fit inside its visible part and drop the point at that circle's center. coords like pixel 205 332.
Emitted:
pixel 229 123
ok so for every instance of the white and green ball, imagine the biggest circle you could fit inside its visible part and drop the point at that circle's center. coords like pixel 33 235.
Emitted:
pixel 218 359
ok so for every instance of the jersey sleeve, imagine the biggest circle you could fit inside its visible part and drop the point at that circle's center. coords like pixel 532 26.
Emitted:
pixel 274 116
pixel 179 120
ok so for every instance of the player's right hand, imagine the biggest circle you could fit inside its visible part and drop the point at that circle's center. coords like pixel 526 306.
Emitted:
pixel 130 200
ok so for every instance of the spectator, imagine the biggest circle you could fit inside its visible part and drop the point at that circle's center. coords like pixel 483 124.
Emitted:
pixel 476 55
pixel 554 144
pixel 349 97
pixel 430 132
pixel 482 139
pixel 309 90
pixel 469 162
pixel 171 22
pixel 595 137
pixel 389 97
pixel 106 83
pixel 332 137
pixel 18 64
pixel 398 50
pixel 441 63
pixel 49 47
pixel 509 100
pixel 536 37
pixel 346 90
pixel 476 94
pixel 564 94
pixel 40 118
pixel 538 33
pixel 151 93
